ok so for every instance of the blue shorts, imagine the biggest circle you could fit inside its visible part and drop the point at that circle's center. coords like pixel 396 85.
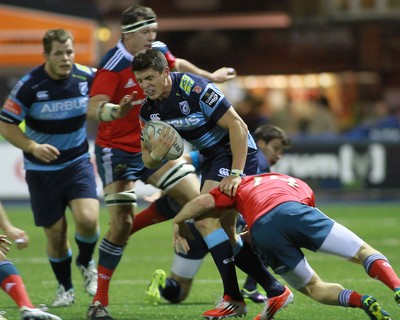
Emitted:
pixel 217 166
pixel 51 191
pixel 279 235
pixel 116 165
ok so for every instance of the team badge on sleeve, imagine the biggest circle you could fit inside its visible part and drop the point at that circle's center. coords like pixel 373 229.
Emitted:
pixel 211 97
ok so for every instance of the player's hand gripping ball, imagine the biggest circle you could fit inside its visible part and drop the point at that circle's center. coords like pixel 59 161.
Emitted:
pixel 155 126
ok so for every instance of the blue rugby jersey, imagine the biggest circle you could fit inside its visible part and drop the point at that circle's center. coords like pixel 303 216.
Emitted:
pixel 54 112
pixel 193 108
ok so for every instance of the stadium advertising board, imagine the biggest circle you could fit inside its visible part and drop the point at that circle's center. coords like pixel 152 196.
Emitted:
pixel 343 165
pixel 336 166
pixel 12 179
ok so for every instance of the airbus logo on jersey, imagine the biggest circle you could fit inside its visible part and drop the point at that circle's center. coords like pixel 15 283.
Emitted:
pixel 184 122
pixel 130 83
pixel 42 95
pixel 67 105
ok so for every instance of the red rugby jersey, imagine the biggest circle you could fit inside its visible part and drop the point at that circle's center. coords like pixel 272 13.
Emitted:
pixel 115 79
pixel 259 194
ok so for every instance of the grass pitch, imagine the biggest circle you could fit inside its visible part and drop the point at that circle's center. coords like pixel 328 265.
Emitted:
pixel 152 248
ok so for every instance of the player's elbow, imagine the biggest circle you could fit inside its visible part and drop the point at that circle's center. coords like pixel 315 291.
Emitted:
pixel 243 126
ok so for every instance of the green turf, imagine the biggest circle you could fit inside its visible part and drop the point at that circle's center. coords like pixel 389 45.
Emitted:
pixel 152 248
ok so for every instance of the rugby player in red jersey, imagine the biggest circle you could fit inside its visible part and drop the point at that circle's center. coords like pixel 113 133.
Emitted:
pixel 281 215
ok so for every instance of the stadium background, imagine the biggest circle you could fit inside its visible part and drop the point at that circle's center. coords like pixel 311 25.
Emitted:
pixel 292 57
pixel 325 71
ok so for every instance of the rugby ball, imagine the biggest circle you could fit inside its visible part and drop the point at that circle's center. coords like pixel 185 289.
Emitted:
pixel 155 127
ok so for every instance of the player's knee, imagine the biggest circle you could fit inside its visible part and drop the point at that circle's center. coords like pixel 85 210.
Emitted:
pixel 121 206
pixel 184 285
pixel 88 223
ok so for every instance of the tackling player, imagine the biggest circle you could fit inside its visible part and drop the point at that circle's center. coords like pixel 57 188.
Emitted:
pixel 281 215
pixel 271 142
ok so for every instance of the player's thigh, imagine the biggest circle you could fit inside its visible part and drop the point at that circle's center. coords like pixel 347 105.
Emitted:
pixel 302 277
pixel 177 179
pixel 119 186
pixel 341 242
pixel 186 189
pixel 159 172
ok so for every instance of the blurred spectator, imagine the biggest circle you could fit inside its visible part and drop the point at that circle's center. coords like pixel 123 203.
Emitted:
pixel 384 128
pixel 251 111
pixel 322 120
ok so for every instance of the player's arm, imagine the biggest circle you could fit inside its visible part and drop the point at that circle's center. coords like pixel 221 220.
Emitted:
pixel 15 234
pixel 195 208
pixel 238 136
pixel 101 109
pixel 13 134
pixel 190 210
pixel 218 76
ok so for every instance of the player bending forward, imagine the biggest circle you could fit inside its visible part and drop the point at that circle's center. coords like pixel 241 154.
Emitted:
pixel 281 215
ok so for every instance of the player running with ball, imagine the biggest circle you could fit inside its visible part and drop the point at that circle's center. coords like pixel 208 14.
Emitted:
pixel 203 116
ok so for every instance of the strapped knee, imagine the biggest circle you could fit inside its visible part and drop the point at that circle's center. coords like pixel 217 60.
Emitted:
pixel 174 175
pixel 121 198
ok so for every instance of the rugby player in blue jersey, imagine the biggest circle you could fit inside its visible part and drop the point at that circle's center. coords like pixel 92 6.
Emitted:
pixel 203 116
pixel 52 99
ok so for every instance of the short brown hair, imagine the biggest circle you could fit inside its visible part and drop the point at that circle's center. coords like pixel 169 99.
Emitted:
pixel 149 59
pixel 59 35
pixel 136 13
pixel 268 132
